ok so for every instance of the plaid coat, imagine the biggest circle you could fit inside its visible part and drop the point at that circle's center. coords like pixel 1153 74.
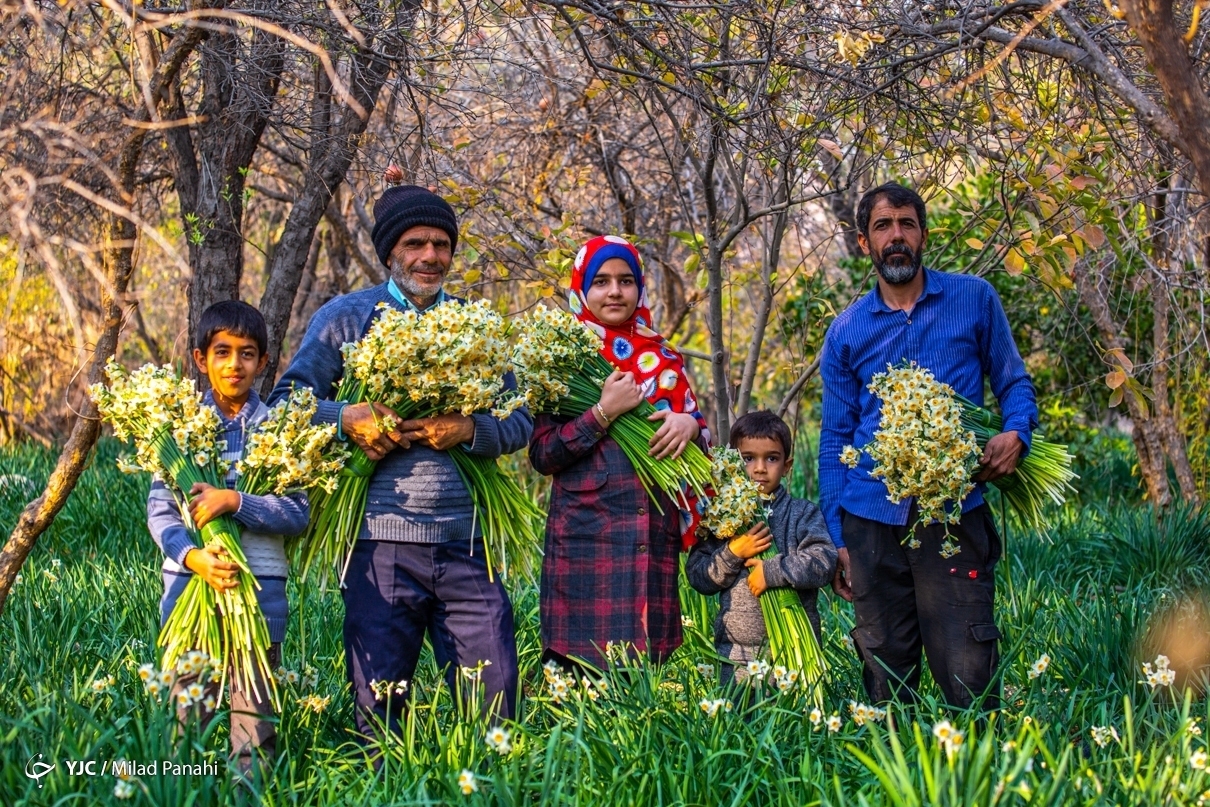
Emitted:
pixel 610 571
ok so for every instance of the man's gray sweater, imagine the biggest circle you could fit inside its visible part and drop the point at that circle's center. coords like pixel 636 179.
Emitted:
pixel 805 561
pixel 416 495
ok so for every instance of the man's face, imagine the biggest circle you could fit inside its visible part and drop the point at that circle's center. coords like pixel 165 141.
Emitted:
pixel 895 242
pixel 419 262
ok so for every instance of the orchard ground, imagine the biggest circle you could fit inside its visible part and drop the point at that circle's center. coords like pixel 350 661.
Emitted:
pixel 1113 589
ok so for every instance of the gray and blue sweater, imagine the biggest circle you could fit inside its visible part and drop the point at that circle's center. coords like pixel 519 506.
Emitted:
pixel 416 495
pixel 264 521
pixel 805 561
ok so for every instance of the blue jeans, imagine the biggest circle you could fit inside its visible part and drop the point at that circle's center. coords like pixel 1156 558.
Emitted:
pixel 397 591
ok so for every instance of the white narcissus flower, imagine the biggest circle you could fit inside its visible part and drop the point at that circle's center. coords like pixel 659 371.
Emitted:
pixel 1039 667
pixel 467 783
pixel 834 723
pixel 1198 760
pixel 499 739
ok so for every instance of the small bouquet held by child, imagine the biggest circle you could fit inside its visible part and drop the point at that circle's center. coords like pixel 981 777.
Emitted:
pixel 453 358
pixel 928 446
pixel 738 503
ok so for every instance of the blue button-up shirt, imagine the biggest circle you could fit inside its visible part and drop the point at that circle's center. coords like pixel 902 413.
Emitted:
pixel 958 330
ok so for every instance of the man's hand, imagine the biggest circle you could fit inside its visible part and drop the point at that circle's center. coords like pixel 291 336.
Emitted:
pixel 756 576
pixel 842 583
pixel 751 543
pixel 678 430
pixel 208 503
pixel 1000 456
pixel 213 567
pixel 441 433
pixel 374 428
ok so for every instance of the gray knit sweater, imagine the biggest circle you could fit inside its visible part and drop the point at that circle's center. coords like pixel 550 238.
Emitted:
pixel 805 560
pixel 416 495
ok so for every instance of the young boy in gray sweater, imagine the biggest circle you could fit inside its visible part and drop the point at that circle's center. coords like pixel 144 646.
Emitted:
pixel 805 559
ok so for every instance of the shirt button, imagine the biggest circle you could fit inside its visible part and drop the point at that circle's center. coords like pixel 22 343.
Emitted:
pixel 642 549
pixel 909 321
pixel 642 511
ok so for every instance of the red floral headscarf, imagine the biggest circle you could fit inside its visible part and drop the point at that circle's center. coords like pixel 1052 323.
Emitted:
pixel 634 347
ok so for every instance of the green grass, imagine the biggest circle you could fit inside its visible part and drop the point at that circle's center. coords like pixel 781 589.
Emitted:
pixel 87 606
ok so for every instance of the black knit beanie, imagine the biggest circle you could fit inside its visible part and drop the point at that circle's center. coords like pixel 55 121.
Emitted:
pixel 403 207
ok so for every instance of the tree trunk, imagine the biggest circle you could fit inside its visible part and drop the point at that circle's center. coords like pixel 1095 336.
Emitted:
pixel 332 151
pixel 118 239
pixel 1155 25
pixel 764 306
pixel 211 159
pixel 1147 442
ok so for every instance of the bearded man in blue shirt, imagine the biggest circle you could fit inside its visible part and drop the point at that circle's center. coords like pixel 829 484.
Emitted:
pixel 911 599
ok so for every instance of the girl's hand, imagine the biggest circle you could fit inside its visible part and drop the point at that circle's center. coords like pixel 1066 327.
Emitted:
pixel 620 394
pixel 678 431
pixel 212 566
pixel 208 503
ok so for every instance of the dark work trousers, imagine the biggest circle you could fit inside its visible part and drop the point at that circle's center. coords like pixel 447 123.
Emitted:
pixel 397 591
pixel 907 599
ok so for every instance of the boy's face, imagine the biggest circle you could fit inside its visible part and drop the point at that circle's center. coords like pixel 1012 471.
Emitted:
pixel 766 461
pixel 232 364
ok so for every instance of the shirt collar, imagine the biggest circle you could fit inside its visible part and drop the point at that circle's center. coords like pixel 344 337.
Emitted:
pixel 408 305
pixel 932 285
pixel 246 411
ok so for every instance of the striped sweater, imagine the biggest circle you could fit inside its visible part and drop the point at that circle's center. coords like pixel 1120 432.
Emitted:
pixel 263 519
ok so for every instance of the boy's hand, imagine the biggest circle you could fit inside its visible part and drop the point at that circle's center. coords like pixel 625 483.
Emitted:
pixel 677 431
pixel 620 394
pixel 208 503
pixel 367 424
pixel 441 433
pixel 212 566
pixel 751 543
pixel 756 576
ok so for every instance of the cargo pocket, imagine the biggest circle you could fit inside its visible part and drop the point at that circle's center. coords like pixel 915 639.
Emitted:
pixel 982 657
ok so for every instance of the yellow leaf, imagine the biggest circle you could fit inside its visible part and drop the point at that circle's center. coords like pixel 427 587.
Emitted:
pixel 974 243
pixel 471 275
pixel 1115 379
pixel 1014 262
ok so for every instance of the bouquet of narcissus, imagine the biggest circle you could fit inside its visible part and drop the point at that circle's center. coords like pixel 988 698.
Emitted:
pixel 737 505
pixel 928 446
pixel 560 370
pixel 288 453
pixel 452 358
pixel 177 438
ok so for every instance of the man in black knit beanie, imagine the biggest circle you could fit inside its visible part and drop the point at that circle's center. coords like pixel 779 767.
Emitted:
pixel 418 564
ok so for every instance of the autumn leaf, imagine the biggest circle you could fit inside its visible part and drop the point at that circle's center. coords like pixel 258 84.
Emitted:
pixel 1115 379
pixel 1094 235
pixel 974 243
pixel 1014 262
pixel 832 147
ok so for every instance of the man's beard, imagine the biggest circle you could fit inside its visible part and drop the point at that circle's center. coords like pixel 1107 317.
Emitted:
pixel 898 274
pixel 407 282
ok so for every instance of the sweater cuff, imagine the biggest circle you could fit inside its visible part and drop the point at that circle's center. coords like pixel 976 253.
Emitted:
pixel 251 512
pixel 774 576
pixel 329 412
pixel 728 557
pixel 486 441
pixel 177 543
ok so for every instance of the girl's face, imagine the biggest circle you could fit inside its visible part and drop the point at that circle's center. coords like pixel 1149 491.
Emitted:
pixel 614 294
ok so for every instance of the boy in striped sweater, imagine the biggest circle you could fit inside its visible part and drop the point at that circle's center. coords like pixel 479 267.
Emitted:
pixel 230 348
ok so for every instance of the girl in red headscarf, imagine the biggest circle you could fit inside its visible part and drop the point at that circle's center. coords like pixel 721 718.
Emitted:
pixel 609 575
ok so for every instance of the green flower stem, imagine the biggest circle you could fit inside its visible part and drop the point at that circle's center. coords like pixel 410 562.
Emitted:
pixel 227 625
pixel 792 640
pixel 1042 474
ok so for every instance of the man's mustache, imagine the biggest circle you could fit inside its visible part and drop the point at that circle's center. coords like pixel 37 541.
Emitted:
pixel 898 249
